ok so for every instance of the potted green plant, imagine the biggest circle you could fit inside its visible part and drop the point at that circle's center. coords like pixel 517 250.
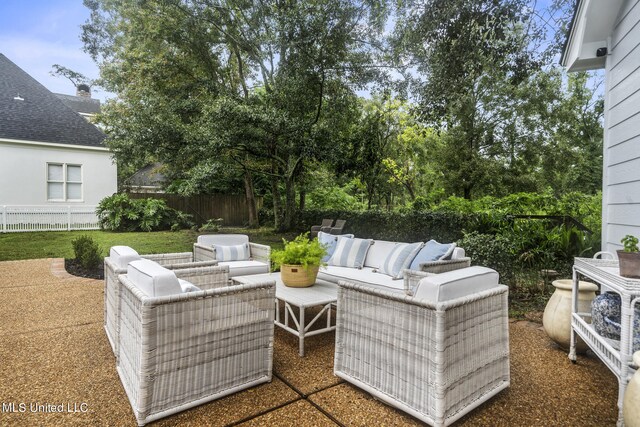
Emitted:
pixel 299 261
pixel 629 257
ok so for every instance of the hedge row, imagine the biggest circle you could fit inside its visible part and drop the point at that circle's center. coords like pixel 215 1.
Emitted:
pixel 406 227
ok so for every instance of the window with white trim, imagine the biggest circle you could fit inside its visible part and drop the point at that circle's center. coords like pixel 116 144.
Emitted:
pixel 64 182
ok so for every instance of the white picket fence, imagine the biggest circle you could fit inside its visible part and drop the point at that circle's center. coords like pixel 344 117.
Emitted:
pixel 47 218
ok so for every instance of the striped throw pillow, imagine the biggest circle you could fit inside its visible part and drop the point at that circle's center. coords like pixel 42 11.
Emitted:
pixel 399 259
pixel 232 253
pixel 350 252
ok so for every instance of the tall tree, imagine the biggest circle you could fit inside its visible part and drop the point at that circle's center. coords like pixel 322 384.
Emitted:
pixel 248 81
pixel 470 58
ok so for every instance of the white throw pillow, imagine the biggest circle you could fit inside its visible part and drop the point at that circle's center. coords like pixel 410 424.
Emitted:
pixel 350 252
pixel 399 258
pixel 232 253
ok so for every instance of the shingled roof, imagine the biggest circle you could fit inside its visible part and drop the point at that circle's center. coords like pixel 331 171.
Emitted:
pixel 30 112
pixel 80 104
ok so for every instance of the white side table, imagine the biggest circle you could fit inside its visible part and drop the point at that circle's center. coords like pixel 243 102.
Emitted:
pixel 324 294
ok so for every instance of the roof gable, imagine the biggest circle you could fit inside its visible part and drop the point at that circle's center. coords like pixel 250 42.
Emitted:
pixel 38 114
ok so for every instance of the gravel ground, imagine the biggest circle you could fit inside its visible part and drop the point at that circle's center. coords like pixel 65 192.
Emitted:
pixel 54 352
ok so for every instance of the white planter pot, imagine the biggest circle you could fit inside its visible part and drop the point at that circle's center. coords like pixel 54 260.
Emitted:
pixel 557 314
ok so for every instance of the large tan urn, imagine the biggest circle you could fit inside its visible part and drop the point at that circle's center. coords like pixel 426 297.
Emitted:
pixel 557 314
pixel 631 404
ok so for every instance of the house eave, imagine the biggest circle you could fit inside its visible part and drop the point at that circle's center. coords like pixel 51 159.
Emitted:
pixel 591 26
pixel 53 145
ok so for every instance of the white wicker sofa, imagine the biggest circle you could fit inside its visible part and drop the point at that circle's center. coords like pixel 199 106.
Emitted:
pixel 180 349
pixel 256 261
pixel 117 263
pixel 376 255
pixel 437 354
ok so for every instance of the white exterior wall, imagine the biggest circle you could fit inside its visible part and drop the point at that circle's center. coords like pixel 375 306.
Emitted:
pixel 23 172
pixel 621 169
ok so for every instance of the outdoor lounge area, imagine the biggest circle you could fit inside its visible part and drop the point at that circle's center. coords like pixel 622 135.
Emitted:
pixel 55 352
pixel 320 213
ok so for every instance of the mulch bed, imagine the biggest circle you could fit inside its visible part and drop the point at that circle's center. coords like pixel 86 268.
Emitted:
pixel 74 268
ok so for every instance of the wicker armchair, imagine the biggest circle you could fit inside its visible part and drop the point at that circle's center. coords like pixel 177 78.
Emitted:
pixel 116 264
pixel 179 351
pixel 336 229
pixel 437 355
pixel 317 228
pixel 259 255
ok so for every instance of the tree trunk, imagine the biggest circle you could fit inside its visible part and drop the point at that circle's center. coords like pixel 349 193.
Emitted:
pixel 289 204
pixel 294 168
pixel 275 194
pixel 412 193
pixel 251 200
pixel 467 192
pixel 302 199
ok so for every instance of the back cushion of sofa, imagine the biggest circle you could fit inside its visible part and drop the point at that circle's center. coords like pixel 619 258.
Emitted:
pixel 378 253
pixel 223 239
pixel 153 279
pixel 458 253
pixel 456 283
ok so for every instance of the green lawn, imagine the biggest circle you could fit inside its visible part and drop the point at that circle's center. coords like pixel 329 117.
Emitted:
pixel 57 244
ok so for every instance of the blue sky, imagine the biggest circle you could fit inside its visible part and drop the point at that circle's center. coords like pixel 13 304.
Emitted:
pixel 35 34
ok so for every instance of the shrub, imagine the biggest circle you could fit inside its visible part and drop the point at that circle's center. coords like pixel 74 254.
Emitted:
pixel 87 252
pixel 493 251
pixel 120 213
pixel 212 225
pixel 406 227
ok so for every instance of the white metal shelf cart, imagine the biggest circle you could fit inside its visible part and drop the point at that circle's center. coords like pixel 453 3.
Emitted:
pixel 616 355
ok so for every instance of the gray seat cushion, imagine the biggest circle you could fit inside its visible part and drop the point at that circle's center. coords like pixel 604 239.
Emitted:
pixel 366 276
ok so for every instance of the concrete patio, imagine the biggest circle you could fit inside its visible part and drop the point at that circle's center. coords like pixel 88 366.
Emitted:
pixel 55 354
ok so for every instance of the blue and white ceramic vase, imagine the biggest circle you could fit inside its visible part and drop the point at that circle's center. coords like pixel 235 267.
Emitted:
pixel 606 318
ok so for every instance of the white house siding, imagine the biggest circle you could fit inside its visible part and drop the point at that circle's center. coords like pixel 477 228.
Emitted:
pixel 23 172
pixel 621 174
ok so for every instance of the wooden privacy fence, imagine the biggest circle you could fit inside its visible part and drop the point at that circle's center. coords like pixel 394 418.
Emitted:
pixel 47 218
pixel 231 208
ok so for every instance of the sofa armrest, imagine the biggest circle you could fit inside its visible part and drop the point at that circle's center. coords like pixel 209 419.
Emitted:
pixel 411 279
pixel 203 253
pixel 260 252
pixel 445 265
pixel 170 259
pixel 206 277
